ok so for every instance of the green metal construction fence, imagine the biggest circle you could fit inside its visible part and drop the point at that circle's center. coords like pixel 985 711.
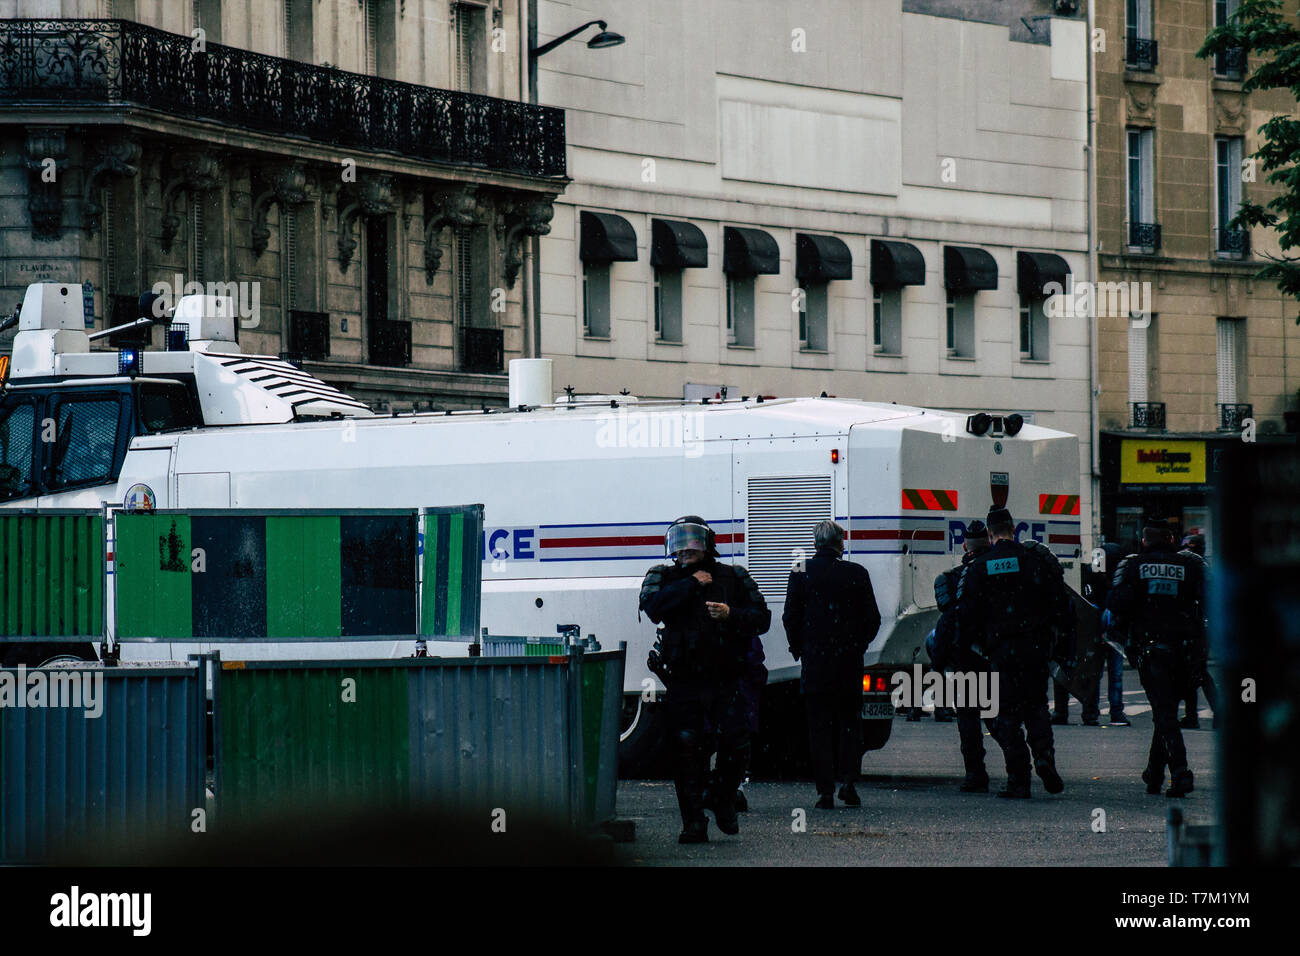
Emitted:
pixel 217 575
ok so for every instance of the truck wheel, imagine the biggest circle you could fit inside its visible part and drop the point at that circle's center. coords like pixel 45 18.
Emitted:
pixel 875 733
pixel 643 747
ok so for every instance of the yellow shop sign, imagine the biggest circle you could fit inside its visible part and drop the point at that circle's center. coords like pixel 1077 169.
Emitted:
pixel 1157 462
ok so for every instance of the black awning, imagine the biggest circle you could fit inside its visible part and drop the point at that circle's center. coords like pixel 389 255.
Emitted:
pixel 1034 270
pixel 607 238
pixel 749 252
pixel 967 269
pixel 820 258
pixel 895 264
pixel 677 245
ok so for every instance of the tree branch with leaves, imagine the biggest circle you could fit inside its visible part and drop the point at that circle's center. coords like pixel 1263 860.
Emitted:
pixel 1271 39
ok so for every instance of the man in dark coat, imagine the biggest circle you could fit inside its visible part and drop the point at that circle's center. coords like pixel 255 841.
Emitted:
pixel 830 618
pixel 709 614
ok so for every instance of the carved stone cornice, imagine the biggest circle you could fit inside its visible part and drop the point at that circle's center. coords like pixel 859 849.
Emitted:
pixel 1230 113
pixel 530 215
pixel 457 206
pixel 193 171
pixel 285 185
pixel 116 157
pixel 375 195
pixel 1141 102
pixel 46 153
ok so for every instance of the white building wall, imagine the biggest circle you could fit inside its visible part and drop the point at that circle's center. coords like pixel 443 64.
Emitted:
pixel 889 125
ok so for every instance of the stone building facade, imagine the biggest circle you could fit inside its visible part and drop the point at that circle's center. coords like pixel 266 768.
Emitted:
pixel 839 197
pixel 365 175
pixel 1216 359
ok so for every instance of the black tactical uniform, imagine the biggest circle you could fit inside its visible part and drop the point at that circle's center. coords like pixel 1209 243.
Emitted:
pixel 702 662
pixel 946 656
pixel 1156 606
pixel 1012 602
pixel 1194 544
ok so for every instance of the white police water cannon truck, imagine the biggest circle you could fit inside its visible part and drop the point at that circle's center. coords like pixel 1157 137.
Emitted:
pixel 577 493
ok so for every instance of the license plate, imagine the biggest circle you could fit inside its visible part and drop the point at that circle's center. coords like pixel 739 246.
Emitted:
pixel 877 711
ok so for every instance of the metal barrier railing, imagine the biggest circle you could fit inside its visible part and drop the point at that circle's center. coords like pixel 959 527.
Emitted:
pixel 536 736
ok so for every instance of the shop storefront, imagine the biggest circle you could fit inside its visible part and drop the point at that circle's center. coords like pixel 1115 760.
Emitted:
pixel 1162 476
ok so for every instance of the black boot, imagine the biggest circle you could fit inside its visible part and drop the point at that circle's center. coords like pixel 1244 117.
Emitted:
pixel 1154 779
pixel 1180 783
pixel 1017 788
pixel 697 831
pixel 742 803
pixel 945 715
pixel 977 781
pixel 849 794
pixel 724 812
pixel 1046 769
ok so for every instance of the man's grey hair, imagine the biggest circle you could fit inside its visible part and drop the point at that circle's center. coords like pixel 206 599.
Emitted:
pixel 828 534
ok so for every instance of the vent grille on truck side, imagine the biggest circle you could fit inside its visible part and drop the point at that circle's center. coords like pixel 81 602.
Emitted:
pixel 781 514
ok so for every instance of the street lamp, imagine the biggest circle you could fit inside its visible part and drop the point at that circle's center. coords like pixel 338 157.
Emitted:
pixel 605 38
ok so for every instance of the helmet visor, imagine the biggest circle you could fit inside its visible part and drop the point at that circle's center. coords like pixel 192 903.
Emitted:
pixel 687 537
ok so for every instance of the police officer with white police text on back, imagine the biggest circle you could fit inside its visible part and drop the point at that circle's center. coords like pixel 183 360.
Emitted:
pixel 1012 602
pixel 1156 606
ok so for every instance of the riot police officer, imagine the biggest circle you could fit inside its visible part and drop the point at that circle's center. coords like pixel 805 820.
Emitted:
pixel 709 613
pixel 1012 602
pixel 1156 605
pixel 945 655
pixel 1195 544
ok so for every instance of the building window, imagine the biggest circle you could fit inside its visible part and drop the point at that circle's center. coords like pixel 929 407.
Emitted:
pixel 1034 328
pixel 887 321
pixel 1138 366
pixel 1140 46
pixel 471 38
pixel 668 305
pixel 813 319
pixel 464 266
pixel 1229 243
pixel 1231 63
pixel 740 310
pixel 1228 359
pixel 197 237
pixel 961 325
pixel 1143 231
pixel 595 300
pixel 299 35
pixel 207 17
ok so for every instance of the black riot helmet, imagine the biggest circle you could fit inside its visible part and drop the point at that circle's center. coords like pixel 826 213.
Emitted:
pixel 690 532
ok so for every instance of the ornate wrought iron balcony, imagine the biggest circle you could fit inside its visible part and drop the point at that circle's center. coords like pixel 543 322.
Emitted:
pixel 1231 416
pixel 1144 237
pixel 118 62
pixel 1230 64
pixel 1147 415
pixel 1141 54
pixel 1232 243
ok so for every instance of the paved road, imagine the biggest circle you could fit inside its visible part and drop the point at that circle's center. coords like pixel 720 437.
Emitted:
pixel 913 815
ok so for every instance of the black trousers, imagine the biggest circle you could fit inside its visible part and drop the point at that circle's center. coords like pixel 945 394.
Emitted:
pixel 1022 708
pixel 1165 680
pixel 835 736
pixel 970 729
pixel 704 717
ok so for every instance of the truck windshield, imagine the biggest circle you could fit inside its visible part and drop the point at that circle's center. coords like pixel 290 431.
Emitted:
pixel 164 407
pixel 85 441
pixel 17 441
